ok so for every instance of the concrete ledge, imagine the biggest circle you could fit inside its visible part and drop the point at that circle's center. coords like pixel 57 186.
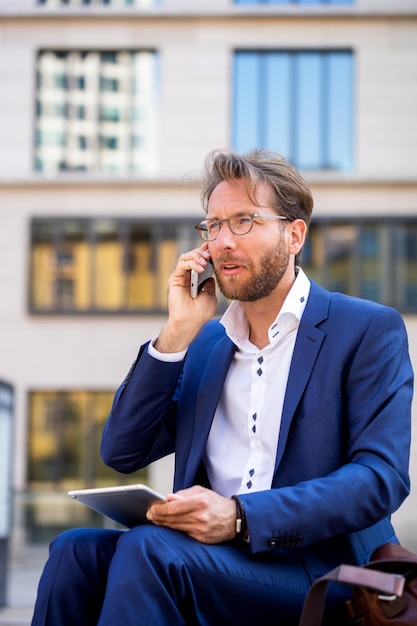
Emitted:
pixel 206 12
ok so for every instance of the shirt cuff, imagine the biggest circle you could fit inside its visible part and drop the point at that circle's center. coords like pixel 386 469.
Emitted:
pixel 168 357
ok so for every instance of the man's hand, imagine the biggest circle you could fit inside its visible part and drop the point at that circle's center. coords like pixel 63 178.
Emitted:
pixel 201 513
pixel 186 315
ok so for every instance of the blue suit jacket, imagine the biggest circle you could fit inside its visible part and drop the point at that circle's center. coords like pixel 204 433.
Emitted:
pixel 342 459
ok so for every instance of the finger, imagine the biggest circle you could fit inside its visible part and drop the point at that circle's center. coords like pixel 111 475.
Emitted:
pixel 170 510
pixel 194 259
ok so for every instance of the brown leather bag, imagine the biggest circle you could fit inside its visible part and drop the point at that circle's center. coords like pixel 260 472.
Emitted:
pixel 384 591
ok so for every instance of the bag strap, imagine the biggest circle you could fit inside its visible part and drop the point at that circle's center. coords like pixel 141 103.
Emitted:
pixel 392 552
pixel 383 582
pixel 389 556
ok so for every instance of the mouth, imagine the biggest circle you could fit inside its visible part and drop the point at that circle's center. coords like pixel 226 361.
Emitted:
pixel 231 269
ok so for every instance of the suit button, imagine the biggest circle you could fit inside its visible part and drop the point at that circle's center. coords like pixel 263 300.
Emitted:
pixel 273 542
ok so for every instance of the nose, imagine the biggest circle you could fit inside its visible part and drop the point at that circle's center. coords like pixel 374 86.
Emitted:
pixel 225 238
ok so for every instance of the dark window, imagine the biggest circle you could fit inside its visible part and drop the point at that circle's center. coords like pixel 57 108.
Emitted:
pixel 368 258
pixel 104 265
pixel 64 453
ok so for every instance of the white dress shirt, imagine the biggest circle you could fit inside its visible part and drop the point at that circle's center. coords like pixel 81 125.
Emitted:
pixel 242 444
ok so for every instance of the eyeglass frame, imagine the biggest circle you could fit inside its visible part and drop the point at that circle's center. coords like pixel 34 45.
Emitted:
pixel 227 219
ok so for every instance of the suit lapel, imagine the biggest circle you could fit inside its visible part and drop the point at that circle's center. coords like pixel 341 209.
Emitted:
pixel 208 395
pixel 307 347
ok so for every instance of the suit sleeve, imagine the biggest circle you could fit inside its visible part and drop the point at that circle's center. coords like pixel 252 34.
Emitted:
pixel 141 426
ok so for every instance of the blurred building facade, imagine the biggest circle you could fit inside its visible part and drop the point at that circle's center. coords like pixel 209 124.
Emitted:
pixel 107 111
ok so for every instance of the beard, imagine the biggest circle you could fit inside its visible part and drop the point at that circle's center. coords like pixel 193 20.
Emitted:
pixel 264 276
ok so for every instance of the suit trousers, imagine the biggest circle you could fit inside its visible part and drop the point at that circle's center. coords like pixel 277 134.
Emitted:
pixel 155 576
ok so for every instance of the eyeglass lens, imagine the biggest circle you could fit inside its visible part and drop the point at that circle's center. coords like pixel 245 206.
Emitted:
pixel 239 224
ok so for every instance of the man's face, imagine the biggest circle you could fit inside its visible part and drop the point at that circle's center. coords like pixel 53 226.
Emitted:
pixel 248 267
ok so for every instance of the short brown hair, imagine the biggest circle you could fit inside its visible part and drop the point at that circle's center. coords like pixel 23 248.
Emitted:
pixel 290 196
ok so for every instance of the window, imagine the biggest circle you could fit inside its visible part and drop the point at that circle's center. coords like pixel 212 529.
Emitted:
pixel 64 438
pixel 104 265
pixel 303 2
pixel 298 103
pixel 6 455
pixel 64 453
pixel 90 105
pixel 122 266
pixel 85 3
pixel 368 258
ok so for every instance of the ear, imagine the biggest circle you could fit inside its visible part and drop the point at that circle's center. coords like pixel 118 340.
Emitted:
pixel 296 232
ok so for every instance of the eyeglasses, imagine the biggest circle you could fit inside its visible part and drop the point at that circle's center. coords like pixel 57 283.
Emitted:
pixel 239 224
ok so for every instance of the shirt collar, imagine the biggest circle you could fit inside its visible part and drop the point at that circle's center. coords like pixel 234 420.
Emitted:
pixel 237 326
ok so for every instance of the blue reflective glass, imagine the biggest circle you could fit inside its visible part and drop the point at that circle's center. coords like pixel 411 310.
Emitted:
pixel 298 103
pixel 277 102
pixel 340 111
pixel 309 108
pixel 246 114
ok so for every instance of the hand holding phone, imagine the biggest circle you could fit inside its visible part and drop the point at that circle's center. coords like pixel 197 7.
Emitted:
pixel 199 279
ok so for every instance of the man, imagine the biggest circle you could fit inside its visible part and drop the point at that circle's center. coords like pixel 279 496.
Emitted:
pixel 289 419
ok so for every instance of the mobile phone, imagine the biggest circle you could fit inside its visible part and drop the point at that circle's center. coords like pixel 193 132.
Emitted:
pixel 199 279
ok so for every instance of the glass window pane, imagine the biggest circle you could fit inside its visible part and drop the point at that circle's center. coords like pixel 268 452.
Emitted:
pixel 96 112
pixel 151 258
pixel 64 444
pixel 340 111
pixel 140 267
pixel 107 265
pixel 246 118
pixel 88 3
pixel 278 102
pixel 405 255
pixel 106 258
pixel 370 241
pixel 64 453
pixel 72 266
pixel 298 103
pixel 340 245
pixel 293 1
pixel 167 252
pixel 144 112
pixel 42 270
pixel 309 107
pixel 371 259
pixel 59 266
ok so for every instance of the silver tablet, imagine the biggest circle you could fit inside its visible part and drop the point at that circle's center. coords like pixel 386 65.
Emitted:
pixel 126 504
